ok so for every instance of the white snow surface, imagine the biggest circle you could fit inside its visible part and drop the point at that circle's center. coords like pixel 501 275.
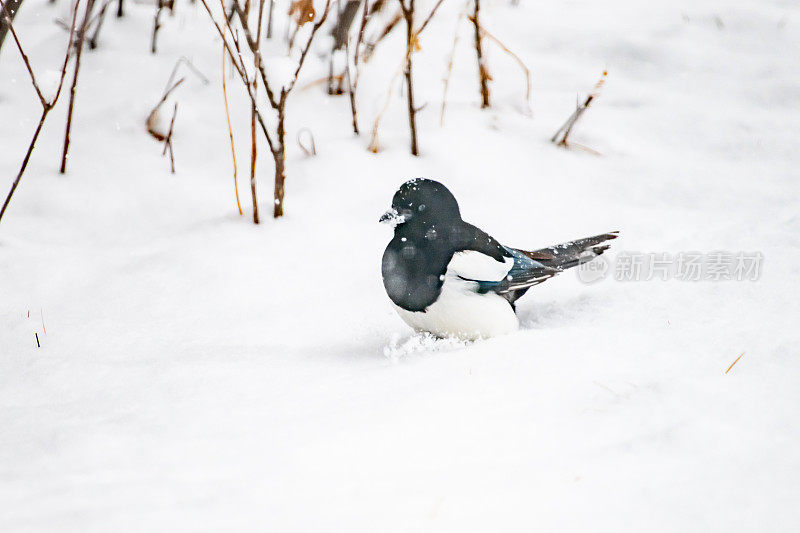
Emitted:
pixel 200 373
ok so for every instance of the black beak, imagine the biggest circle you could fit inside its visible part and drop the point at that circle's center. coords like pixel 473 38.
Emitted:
pixel 389 216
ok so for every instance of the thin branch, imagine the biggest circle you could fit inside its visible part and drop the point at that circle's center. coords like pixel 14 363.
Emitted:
pixel 307 47
pixel 168 140
pixel 230 132
pixel 252 43
pixel 46 105
pixel 312 151
pixel 70 109
pixel 160 5
pixel 522 65
pixel 374 145
pixel 6 15
pixel 101 16
pixel 242 74
pixel 269 18
pixel 360 39
pixel 369 48
pixel 351 89
pixel 450 66
pixel 253 140
pixel 185 60
pixel 736 361
pixel 152 117
pixel 566 129
pixel 428 19
pixel 483 72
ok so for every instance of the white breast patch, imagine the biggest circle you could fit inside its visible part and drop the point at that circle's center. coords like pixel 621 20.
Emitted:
pixel 460 311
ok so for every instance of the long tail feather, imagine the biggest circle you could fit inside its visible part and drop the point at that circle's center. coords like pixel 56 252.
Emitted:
pixel 573 253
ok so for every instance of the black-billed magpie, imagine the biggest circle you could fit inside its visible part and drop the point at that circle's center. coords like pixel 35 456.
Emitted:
pixel 448 277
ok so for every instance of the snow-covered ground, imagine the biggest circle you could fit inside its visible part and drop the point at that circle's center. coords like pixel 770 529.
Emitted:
pixel 200 373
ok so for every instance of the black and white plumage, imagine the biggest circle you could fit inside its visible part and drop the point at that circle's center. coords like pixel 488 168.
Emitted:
pixel 448 277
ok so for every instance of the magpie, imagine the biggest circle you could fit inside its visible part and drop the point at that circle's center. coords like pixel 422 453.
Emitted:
pixel 449 278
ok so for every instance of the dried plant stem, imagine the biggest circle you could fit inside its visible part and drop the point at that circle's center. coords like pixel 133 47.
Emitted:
pixel 351 89
pixel 79 46
pixel 561 137
pixel 168 140
pixel 269 18
pixel 10 11
pixel 101 16
pixel 736 361
pixel 449 71
pixel 254 145
pixel 230 132
pixel 253 157
pixel 185 60
pixel 152 118
pixel 412 44
pixel 483 73
pixel 278 103
pixel 516 58
pixel 156 25
pixel 311 150
pixel 352 83
pixel 369 49
pixel 374 145
pixel 47 105
pixel 412 111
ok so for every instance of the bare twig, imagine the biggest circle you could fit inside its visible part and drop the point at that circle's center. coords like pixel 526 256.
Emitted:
pixel 230 132
pixel 450 67
pixel 81 36
pixel 11 8
pixel 412 44
pixel 100 17
pixel 374 145
pixel 351 90
pixel 254 145
pixel 360 38
pixel 10 26
pixel 160 5
pixel 561 137
pixel 307 47
pixel 311 150
pixel 152 118
pixel 47 105
pixel 483 72
pixel 516 58
pixel 239 67
pixel 277 100
pixel 269 18
pixel 186 61
pixel 370 46
pixel 429 17
pixel 352 81
pixel 736 361
pixel 168 140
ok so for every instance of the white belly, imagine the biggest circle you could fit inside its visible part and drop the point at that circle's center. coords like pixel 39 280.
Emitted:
pixel 462 313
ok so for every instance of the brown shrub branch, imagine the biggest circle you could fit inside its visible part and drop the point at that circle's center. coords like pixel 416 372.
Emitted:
pixel 47 105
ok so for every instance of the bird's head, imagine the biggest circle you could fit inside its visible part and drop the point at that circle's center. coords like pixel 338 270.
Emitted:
pixel 422 201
